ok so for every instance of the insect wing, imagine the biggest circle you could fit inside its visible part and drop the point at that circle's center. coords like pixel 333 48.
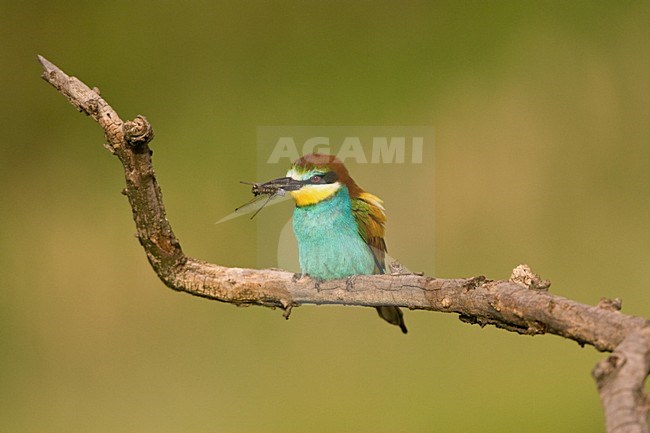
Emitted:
pixel 255 205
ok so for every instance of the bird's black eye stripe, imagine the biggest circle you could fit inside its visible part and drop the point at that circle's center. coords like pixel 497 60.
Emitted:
pixel 320 179
pixel 330 177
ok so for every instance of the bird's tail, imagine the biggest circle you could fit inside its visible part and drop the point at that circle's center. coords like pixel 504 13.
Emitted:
pixel 394 316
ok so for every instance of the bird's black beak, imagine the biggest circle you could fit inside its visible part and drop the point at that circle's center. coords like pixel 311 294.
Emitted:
pixel 283 183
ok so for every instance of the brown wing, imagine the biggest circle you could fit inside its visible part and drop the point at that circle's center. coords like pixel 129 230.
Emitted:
pixel 369 214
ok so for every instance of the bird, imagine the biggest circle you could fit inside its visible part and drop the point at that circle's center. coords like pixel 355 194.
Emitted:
pixel 339 226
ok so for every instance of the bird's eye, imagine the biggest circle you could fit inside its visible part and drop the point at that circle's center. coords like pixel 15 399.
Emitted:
pixel 316 179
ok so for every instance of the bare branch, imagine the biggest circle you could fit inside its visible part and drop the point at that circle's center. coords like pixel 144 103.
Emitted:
pixel 620 379
pixel 521 304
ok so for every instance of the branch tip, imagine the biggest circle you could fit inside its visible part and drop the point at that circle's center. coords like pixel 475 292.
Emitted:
pixel 49 69
pixel 47 65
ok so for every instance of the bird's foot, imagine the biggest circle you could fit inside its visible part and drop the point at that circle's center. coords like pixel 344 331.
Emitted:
pixel 349 282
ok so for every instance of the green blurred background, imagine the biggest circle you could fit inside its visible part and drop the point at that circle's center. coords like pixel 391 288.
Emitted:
pixel 542 156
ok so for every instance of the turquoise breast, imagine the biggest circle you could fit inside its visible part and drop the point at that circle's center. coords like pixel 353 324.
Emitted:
pixel 329 243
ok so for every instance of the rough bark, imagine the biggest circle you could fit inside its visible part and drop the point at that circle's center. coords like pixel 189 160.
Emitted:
pixel 520 304
pixel 620 379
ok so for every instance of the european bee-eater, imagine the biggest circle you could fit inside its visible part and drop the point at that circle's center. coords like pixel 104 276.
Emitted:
pixel 339 226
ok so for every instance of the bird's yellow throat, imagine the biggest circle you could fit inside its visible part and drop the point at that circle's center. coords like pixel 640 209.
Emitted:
pixel 312 194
